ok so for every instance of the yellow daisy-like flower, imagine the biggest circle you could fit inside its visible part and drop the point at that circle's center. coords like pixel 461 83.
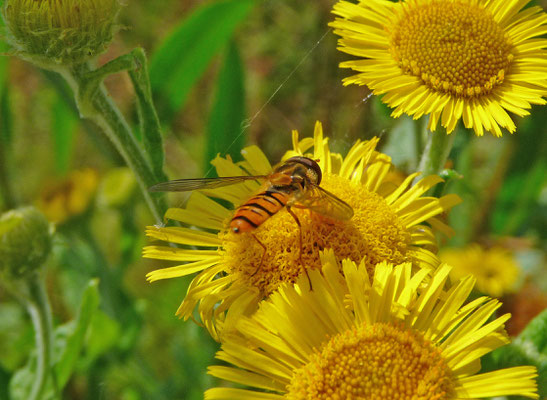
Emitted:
pixel 452 59
pixel 495 269
pixel 396 336
pixel 237 270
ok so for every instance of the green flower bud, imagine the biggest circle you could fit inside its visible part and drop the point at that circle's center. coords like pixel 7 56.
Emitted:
pixel 25 242
pixel 60 32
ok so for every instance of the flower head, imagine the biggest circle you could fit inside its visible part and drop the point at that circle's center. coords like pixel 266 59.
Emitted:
pixel 60 32
pixel 468 59
pixel 393 336
pixel 495 269
pixel 238 270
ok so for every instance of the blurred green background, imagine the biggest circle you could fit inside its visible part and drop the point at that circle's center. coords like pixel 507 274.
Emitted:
pixel 224 74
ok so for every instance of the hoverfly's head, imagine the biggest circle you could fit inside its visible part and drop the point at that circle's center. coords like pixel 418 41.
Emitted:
pixel 313 171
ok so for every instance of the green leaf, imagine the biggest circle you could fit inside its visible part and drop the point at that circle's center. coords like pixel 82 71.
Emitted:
pixel 104 333
pixel 517 206
pixel 7 195
pixel 529 348
pixel 68 342
pixel 148 118
pixel 224 131
pixel 21 382
pixel 5 114
pixel 518 196
pixel 3 68
pixel 534 336
pixel 185 54
pixel 70 336
pixel 63 125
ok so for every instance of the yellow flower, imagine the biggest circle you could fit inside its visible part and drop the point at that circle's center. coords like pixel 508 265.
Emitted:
pixel 396 336
pixel 470 59
pixel 69 198
pixel 495 269
pixel 237 272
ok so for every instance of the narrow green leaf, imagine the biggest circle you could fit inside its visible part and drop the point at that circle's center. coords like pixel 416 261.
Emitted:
pixel 3 68
pixel 186 53
pixel 517 198
pixel 63 126
pixel 148 118
pixel 104 334
pixel 7 195
pixel 224 132
pixel 76 331
pixel 68 342
pixel 5 123
pixel 517 206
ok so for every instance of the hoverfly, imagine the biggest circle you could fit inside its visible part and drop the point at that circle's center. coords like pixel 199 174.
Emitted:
pixel 293 183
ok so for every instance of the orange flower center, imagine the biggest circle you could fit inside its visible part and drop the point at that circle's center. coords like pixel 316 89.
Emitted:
pixel 453 47
pixel 378 361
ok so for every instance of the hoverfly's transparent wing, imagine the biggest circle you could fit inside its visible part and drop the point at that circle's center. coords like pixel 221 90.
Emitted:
pixel 325 203
pixel 185 185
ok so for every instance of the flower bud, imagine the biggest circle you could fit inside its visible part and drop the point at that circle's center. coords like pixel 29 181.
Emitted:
pixel 25 242
pixel 60 32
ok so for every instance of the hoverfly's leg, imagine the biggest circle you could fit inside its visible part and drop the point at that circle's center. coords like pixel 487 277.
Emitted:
pixel 300 242
pixel 263 254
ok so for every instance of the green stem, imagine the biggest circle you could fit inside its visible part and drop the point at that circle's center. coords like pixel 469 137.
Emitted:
pixel 38 307
pixel 436 152
pixel 420 130
pixel 95 134
pixel 98 106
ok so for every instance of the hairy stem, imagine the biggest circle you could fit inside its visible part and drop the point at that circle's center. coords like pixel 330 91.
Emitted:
pixel 98 106
pixel 38 307
pixel 436 152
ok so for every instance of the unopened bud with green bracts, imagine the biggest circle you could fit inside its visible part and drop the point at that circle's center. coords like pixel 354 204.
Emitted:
pixel 25 242
pixel 51 33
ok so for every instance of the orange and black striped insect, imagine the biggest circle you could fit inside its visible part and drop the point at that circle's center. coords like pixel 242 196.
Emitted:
pixel 293 183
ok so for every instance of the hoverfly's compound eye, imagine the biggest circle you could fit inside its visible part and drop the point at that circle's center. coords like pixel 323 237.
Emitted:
pixel 314 170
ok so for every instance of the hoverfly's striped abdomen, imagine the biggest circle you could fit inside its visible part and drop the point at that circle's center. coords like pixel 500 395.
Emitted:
pixel 293 182
pixel 258 209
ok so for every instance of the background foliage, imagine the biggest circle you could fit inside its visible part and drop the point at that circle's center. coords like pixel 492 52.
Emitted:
pixel 224 74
